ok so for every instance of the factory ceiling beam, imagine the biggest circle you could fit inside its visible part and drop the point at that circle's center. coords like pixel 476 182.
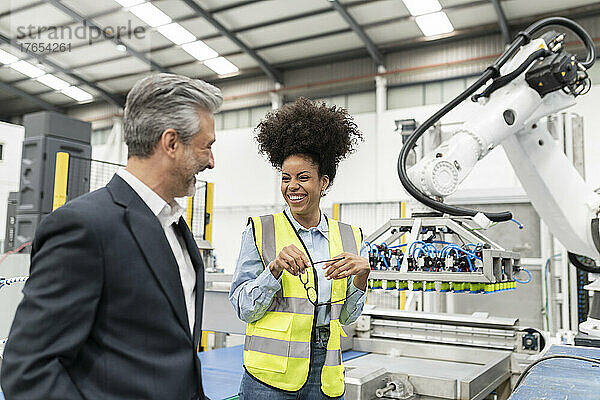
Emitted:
pixel 31 98
pixel 237 30
pixel 88 22
pixel 117 9
pixel 371 48
pixel 234 5
pixel 291 41
pixel 110 97
pixel 502 21
pixel 264 65
pixel 15 10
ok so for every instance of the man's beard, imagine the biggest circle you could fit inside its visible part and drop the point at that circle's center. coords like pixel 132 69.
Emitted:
pixel 188 175
pixel 191 187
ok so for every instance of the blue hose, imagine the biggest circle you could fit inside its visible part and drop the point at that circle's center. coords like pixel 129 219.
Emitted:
pixel 528 280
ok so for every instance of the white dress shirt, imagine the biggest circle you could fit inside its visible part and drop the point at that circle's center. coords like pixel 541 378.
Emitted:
pixel 169 214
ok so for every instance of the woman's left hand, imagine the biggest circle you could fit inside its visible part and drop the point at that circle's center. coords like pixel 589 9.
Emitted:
pixel 348 265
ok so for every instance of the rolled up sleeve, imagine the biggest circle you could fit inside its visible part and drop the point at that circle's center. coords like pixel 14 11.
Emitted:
pixel 253 286
pixel 356 297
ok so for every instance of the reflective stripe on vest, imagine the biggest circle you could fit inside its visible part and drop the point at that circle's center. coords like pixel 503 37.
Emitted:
pixel 291 304
pixel 268 239
pixel 333 358
pixel 278 346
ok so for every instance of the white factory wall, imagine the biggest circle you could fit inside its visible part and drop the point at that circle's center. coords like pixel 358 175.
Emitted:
pixel 246 184
pixel 11 139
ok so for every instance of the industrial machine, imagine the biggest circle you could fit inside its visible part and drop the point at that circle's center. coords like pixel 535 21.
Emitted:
pixel 442 356
pixel 531 80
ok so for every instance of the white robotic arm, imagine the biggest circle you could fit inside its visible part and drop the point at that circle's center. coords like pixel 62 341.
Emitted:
pixel 537 81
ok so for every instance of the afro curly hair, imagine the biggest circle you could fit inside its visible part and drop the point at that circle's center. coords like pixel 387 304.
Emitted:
pixel 325 134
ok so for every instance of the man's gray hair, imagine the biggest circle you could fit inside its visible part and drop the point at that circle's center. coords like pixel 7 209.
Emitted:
pixel 164 101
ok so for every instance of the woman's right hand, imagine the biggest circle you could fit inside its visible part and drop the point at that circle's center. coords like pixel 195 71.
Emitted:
pixel 291 259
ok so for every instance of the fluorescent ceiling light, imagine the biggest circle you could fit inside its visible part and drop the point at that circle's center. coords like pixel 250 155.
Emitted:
pixel 150 14
pixel 434 24
pixel 199 50
pixel 221 65
pixel 78 94
pixel 7 58
pixel 53 82
pixel 420 7
pixel 27 69
pixel 176 33
pixel 129 3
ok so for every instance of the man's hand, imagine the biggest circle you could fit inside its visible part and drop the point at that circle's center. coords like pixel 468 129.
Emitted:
pixel 291 259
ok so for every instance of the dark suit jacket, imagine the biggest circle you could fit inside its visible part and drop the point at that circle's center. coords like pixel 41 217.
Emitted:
pixel 103 314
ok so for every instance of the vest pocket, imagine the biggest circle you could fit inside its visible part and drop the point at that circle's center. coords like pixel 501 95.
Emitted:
pixel 269 344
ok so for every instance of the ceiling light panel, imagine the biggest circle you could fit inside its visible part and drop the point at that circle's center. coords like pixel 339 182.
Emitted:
pixel 53 82
pixel 176 33
pixel 199 50
pixel 27 69
pixel 420 7
pixel 434 24
pixel 150 14
pixel 129 3
pixel 7 58
pixel 77 94
pixel 221 66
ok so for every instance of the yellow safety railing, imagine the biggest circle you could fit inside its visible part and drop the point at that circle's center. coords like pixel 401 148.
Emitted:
pixel 210 191
pixel 189 215
pixel 61 175
pixel 336 211
pixel 403 292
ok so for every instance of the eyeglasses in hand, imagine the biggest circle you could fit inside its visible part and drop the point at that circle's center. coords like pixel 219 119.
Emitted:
pixel 311 292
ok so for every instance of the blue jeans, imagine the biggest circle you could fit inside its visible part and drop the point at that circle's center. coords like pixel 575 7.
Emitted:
pixel 252 389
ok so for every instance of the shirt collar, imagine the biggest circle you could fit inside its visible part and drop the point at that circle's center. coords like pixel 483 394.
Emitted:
pixel 322 226
pixel 166 213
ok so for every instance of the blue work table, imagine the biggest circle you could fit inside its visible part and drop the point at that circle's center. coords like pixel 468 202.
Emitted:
pixel 560 379
pixel 222 371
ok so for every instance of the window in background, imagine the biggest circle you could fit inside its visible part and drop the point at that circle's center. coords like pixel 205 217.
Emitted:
pixel 100 136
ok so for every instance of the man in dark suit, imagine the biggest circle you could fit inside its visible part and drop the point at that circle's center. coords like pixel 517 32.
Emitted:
pixel 113 305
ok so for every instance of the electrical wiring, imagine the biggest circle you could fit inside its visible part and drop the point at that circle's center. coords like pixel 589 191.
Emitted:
pixel 10 281
pixel 464 251
pixel 411 250
pixel 528 279
pixel 546 300
pixel 470 264
pixel 387 266
pixel 15 251
pixel 492 72
pixel 520 225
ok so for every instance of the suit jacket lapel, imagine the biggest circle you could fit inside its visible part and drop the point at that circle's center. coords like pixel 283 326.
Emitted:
pixel 196 258
pixel 151 239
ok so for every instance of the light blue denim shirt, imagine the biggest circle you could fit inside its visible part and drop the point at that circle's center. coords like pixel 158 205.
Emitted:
pixel 253 286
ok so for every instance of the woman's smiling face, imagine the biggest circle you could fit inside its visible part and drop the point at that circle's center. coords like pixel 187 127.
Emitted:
pixel 301 185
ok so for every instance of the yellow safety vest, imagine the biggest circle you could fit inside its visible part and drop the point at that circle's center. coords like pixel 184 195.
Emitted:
pixel 277 350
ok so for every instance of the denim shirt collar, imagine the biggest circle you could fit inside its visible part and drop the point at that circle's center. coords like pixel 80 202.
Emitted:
pixel 322 226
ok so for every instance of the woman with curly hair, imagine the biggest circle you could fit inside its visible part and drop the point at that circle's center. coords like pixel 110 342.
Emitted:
pixel 300 274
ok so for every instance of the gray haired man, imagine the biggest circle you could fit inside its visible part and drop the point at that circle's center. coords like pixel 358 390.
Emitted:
pixel 113 305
